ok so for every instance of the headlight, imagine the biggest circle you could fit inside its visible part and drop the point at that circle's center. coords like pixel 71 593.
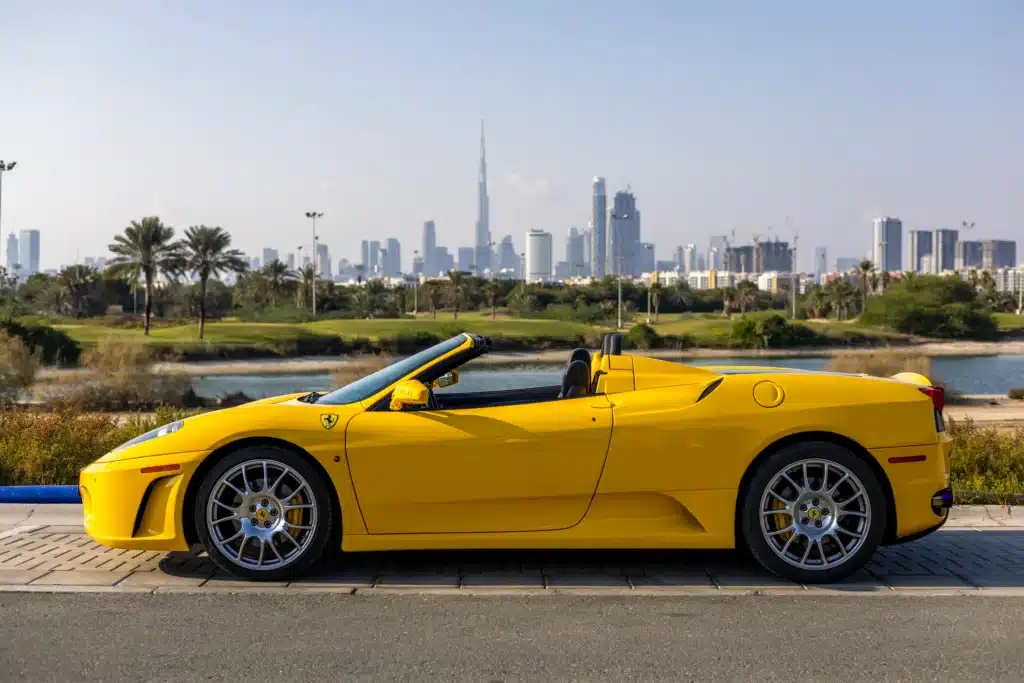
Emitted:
pixel 153 434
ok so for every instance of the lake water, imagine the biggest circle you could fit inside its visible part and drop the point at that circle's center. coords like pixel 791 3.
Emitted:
pixel 972 375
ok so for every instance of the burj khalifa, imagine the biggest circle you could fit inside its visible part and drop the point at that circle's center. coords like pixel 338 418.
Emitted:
pixel 483 216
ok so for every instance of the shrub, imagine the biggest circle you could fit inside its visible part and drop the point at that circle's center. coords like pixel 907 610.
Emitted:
pixel 945 307
pixel 51 345
pixel 18 367
pixel 641 336
pixel 122 377
pixel 988 463
pixel 51 447
pixel 1016 394
pixel 772 332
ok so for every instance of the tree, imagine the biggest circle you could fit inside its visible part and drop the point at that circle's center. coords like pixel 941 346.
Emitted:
pixel 817 302
pixel 431 292
pixel 79 291
pixel 865 270
pixel 746 295
pixel 207 253
pixel 305 276
pixel 145 251
pixel 455 292
pixel 492 290
pixel 728 299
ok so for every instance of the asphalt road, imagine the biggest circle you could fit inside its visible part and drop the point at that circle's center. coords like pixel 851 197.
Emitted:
pixel 233 637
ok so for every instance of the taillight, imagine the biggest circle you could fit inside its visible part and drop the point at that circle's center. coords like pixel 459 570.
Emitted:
pixel 938 397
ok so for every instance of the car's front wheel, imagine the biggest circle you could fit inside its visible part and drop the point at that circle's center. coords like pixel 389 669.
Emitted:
pixel 263 513
pixel 814 513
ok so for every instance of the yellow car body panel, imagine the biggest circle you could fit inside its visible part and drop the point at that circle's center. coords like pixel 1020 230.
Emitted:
pixel 655 459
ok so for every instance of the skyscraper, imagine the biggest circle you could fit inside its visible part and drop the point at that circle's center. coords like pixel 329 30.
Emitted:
pixel 623 234
pixel 998 254
pixel 323 262
pixel 820 263
pixel 464 260
pixel 12 253
pixel 599 225
pixel 364 256
pixel 429 249
pixel 483 217
pixel 28 252
pixel 269 255
pixel 689 262
pixel 574 250
pixel 887 247
pixel 508 260
pixel 373 268
pixel 538 256
pixel 588 250
pixel 393 258
pixel 717 247
pixel 920 247
pixel 291 261
pixel 968 254
pixel 944 250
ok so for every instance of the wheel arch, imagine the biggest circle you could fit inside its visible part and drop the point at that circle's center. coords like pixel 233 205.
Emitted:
pixel 188 508
pixel 830 437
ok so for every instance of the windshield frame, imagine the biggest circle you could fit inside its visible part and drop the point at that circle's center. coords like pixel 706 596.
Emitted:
pixel 386 377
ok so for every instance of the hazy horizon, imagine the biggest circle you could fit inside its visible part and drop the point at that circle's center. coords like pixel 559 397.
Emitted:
pixel 737 116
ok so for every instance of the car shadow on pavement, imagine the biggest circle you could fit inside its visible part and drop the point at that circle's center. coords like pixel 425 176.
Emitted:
pixel 954 559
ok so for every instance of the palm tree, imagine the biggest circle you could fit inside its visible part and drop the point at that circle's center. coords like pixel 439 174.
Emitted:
pixel 276 275
pixel 305 276
pixel 431 291
pixel 728 298
pixel 456 291
pixel 656 298
pixel 816 301
pixel 886 280
pixel 207 253
pixel 145 251
pixel 492 289
pixel 746 295
pixel 76 285
pixel 865 270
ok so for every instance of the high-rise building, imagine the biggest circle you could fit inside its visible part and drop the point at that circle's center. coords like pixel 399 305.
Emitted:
pixel 645 259
pixel 689 263
pixel 323 261
pixel 508 259
pixel 28 252
pixel 742 259
pixel 847 263
pixel 443 260
pixel 820 263
pixel 623 234
pixel 588 250
pixel 254 263
pixel 773 256
pixel 483 217
pixel 998 254
pixel 12 253
pixel 887 247
pixel 968 254
pixel 429 249
pixel 464 259
pixel 392 258
pixel 373 269
pixel 538 256
pixel 599 223
pixel 944 250
pixel 920 246
pixel 269 255
pixel 290 262
pixel 574 251
pixel 717 252
pixel 364 256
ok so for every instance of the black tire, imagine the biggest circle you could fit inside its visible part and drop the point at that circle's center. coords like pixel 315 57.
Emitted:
pixel 322 527
pixel 845 564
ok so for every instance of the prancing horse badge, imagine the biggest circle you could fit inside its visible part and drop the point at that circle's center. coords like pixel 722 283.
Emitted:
pixel 328 420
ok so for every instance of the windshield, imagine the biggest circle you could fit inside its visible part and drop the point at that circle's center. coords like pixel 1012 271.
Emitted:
pixel 366 387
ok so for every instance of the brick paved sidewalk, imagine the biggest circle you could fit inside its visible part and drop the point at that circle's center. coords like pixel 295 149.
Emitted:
pixel 981 550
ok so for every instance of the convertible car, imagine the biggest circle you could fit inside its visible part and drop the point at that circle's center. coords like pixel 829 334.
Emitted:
pixel 808 471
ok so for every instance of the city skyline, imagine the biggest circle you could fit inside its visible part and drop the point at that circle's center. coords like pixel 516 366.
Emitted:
pixel 725 118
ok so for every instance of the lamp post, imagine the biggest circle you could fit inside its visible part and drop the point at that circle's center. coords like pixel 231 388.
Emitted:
pixel 415 284
pixel 4 167
pixel 655 275
pixel 313 215
pixel 794 278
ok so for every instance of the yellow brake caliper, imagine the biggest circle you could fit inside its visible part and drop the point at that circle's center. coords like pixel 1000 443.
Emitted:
pixel 782 520
pixel 294 516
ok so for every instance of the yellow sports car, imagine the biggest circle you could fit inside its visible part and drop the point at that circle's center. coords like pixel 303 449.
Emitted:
pixel 810 471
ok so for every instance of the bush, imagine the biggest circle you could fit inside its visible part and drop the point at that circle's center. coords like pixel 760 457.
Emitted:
pixel 122 377
pixel 880 364
pixel 1016 394
pixel 772 332
pixel 641 336
pixel 988 463
pixel 18 367
pixel 51 447
pixel 52 346
pixel 931 306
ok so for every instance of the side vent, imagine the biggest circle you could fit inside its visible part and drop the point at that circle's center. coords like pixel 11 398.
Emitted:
pixel 708 389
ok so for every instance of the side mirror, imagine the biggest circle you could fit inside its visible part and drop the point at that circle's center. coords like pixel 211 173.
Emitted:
pixel 448 379
pixel 409 393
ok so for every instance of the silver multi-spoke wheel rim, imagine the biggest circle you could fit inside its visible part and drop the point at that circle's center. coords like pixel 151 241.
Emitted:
pixel 815 514
pixel 262 515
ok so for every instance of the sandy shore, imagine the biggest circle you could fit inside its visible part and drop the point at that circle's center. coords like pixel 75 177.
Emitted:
pixel 326 364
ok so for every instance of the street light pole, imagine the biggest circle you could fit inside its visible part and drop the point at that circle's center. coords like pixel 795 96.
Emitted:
pixel 313 215
pixel 4 167
pixel 793 276
pixel 415 285
pixel 651 247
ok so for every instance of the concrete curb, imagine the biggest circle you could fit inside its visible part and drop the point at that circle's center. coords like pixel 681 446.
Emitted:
pixel 39 494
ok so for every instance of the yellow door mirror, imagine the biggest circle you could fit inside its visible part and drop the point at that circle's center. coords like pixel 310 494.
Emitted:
pixel 409 393
pixel 448 379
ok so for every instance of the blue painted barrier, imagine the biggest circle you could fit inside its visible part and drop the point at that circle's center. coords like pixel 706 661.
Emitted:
pixel 40 494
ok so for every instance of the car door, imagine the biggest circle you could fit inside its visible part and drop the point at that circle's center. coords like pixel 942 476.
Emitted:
pixel 525 467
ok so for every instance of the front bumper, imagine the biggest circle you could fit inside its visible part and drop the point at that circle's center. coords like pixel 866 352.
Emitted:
pixel 138 503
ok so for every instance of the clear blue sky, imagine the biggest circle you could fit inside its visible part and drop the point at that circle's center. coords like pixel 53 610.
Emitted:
pixel 722 116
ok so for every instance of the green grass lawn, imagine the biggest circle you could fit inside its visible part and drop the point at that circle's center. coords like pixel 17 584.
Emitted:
pixel 1009 321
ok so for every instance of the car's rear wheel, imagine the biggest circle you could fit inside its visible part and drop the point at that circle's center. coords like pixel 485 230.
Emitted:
pixel 264 513
pixel 814 512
